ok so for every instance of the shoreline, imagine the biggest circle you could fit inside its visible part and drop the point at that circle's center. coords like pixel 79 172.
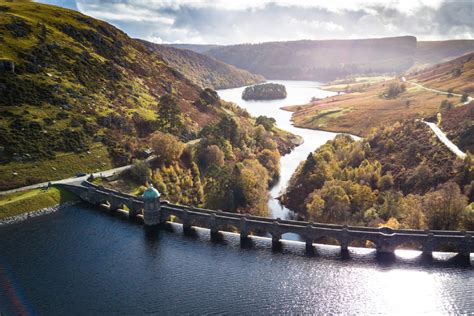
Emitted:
pixel 284 108
pixel 43 211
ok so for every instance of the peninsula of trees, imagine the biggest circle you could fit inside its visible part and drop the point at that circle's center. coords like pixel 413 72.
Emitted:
pixel 266 91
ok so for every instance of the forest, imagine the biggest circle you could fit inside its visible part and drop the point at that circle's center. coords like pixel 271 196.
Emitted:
pixel 230 167
pixel 400 176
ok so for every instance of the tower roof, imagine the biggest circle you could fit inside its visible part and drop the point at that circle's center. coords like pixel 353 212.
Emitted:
pixel 151 193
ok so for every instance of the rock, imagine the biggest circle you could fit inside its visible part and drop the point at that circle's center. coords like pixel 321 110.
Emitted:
pixel 7 65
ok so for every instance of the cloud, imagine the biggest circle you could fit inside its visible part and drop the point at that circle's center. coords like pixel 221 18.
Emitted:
pixel 243 21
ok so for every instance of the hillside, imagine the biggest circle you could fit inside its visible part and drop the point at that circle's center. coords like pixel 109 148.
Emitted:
pixel 198 48
pixel 434 52
pixel 77 94
pixel 400 176
pixel 368 104
pixel 456 75
pixel 203 70
pixel 458 124
pixel 320 60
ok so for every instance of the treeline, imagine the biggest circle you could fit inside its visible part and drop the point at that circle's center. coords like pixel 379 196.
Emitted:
pixel 399 176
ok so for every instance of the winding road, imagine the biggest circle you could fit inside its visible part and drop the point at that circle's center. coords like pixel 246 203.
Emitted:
pixel 438 132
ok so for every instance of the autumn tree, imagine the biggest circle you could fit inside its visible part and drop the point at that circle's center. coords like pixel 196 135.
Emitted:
pixel 271 161
pixel 210 156
pixel 445 207
pixel 166 147
pixel 315 207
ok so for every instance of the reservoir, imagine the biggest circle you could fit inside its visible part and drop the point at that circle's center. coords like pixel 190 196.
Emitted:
pixel 80 260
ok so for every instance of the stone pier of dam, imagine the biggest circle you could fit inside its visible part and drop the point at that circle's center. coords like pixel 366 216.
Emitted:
pixel 386 240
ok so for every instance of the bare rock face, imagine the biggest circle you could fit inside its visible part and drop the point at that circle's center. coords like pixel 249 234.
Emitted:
pixel 7 65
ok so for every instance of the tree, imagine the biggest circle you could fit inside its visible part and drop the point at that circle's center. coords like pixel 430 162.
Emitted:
pixel 445 208
pixel 209 96
pixel 412 214
pixel 140 171
pixel 445 106
pixel 166 147
pixel 229 129
pixel 210 156
pixel 170 119
pixel 250 187
pixel 464 97
pixel 394 89
pixel 385 182
pixel 266 122
pixel 337 202
pixel 315 207
pixel 270 159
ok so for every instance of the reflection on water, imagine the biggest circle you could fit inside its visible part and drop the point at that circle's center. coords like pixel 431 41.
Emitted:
pixel 83 261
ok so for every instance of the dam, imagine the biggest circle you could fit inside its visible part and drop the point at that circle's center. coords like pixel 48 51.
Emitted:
pixel 154 212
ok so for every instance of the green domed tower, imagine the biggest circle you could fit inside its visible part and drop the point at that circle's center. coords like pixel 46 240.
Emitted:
pixel 151 209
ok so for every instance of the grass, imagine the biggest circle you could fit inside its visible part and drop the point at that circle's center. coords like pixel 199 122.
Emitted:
pixel 29 201
pixel 322 117
pixel 17 174
pixel 360 112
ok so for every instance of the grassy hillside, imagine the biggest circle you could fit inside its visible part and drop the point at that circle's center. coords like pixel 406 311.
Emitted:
pixel 455 75
pixel 399 176
pixel 204 70
pixel 24 202
pixel 320 60
pixel 367 104
pixel 77 94
pixel 434 52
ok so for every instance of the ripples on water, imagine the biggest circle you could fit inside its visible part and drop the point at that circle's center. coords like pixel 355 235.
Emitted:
pixel 81 260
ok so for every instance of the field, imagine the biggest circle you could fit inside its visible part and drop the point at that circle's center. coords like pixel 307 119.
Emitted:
pixel 33 200
pixel 17 174
pixel 365 106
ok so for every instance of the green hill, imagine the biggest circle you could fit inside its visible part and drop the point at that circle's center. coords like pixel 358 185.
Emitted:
pixel 204 70
pixel 77 94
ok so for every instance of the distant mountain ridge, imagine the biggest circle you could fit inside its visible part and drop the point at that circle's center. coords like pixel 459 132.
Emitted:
pixel 332 59
pixel 433 52
pixel 204 70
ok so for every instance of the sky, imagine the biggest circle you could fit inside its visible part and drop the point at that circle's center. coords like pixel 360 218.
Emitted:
pixel 253 21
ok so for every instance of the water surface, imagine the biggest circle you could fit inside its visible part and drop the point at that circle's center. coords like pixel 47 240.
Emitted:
pixel 84 261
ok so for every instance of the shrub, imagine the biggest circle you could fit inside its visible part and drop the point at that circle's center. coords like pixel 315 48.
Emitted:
pixel 140 171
